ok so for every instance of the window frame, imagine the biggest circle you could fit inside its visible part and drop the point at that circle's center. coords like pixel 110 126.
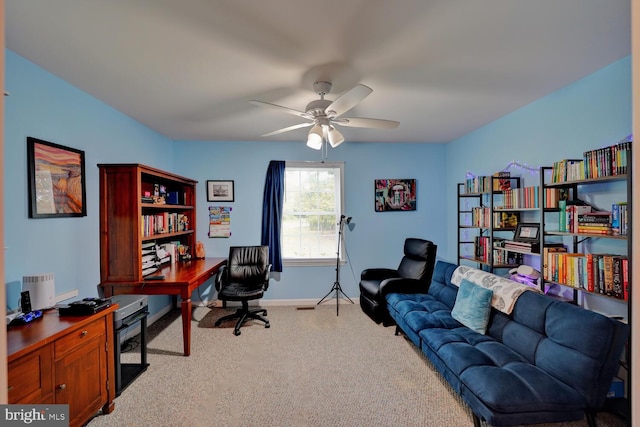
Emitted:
pixel 320 262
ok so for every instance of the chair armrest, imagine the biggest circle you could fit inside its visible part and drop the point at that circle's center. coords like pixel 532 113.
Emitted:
pixel 403 286
pixel 378 274
pixel 221 272
pixel 267 276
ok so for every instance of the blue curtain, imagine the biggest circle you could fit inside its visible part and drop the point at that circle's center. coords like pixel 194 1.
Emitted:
pixel 272 202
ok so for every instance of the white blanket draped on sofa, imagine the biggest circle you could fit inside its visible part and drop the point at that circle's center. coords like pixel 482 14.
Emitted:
pixel 505 291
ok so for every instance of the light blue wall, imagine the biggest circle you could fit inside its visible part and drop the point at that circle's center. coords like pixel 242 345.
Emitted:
pixel 43 106
pixel 377 238
pixel 590 113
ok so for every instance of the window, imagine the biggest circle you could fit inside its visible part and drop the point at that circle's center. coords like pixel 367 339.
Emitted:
pixel 313 203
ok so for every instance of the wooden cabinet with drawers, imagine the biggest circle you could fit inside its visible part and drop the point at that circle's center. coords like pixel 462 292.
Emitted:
pixel 64 360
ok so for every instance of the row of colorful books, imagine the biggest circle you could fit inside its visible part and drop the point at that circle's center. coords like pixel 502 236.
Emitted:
pixel 600 273
pixel 166 222
pixel 583 219
pixel 507 258
pixel 620 219
pixel 481 217
pixel 482 248
pixel 500 181
pixel 606 161
pixel 552 196
pixel 521 198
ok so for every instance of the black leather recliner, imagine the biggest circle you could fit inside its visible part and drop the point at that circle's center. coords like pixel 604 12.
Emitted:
pixel 245 277
pixel 413 275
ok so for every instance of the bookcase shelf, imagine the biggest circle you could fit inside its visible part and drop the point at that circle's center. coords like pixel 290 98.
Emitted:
pixel 585 235
pixel 491 205
pixel 123 213
pixel 164 236
pixel 575 191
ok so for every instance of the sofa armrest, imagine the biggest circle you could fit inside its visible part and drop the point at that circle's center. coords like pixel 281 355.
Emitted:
pixel 378 274
pixel 401 285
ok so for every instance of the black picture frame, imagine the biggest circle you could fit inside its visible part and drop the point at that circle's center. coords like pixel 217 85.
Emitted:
pixel 56 180
pixel 527 232
pixel 220 190
pixel 397 194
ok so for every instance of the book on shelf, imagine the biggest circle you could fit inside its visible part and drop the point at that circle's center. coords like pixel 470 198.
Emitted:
pixel 552 196
pixel 620 218
pixel 573 215
pixel 598 217
pixel 505 220
pixel 521 198
pixel 501 181
pixel 481 248
pixel 567 170
pixel 478 184
pixel 528 247
pixel 607 161
pixel 625 277
pixel 546 259
pixel 604 230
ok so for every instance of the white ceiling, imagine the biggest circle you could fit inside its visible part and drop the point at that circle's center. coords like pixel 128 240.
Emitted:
pixel 187 68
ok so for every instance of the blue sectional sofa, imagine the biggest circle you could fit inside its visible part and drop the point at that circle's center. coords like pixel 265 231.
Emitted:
pixel 546 361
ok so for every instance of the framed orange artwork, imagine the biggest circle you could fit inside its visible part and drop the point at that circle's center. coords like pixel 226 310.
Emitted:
pixel 57 186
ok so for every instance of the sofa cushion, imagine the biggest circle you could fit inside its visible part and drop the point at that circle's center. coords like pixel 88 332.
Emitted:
pixel 473 306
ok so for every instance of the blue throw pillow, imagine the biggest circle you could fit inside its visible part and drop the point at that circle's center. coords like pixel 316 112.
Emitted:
pixel 473 306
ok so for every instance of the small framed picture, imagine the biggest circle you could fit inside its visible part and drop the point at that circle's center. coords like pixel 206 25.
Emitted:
pixel 527 232
pixel 219 191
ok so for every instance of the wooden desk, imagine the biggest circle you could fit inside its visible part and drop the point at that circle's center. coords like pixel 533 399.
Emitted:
pixel 64 360
pixel 180 279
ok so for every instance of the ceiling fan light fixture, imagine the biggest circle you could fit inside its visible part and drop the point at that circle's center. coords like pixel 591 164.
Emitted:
pixel 335 137
pixel 314 139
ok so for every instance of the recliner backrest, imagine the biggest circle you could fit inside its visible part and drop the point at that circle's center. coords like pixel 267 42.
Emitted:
pixel 419 259
pixel 248 264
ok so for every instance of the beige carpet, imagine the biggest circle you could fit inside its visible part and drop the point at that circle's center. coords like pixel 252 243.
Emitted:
pixel 311 368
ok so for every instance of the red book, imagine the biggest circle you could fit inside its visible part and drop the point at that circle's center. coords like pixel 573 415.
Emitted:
pixel 590 281
pixel 625 277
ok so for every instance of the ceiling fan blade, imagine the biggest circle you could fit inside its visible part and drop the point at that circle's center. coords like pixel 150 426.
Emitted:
pixel 281 108
pixel 360 122
pixel 287 129
pixel 348 100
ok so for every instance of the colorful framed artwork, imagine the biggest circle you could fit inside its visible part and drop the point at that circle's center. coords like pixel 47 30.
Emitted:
pixel 395 195
pixel 57 185
pixel 219 191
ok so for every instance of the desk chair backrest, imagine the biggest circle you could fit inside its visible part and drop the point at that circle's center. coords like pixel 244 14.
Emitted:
pixel 249 265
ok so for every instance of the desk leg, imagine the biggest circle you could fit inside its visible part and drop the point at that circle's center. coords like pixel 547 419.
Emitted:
pixel 186 325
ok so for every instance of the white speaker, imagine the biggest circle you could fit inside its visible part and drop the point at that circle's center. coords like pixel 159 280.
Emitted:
pixel 42 290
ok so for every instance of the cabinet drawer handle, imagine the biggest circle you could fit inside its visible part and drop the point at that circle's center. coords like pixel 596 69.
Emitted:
pixel 62 386
pixel 10 388
pixel 83 334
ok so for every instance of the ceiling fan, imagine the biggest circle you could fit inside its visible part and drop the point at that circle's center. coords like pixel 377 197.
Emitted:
pixel 324 114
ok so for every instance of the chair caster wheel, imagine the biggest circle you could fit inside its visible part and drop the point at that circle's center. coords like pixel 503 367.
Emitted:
pixel 266 325
pixel 236 333
pixel 265 312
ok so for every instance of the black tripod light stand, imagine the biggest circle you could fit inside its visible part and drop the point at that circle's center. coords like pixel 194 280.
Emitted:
pixel 336 285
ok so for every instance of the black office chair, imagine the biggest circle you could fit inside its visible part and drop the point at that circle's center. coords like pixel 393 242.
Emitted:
pixel 413 275
pixel 245 277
